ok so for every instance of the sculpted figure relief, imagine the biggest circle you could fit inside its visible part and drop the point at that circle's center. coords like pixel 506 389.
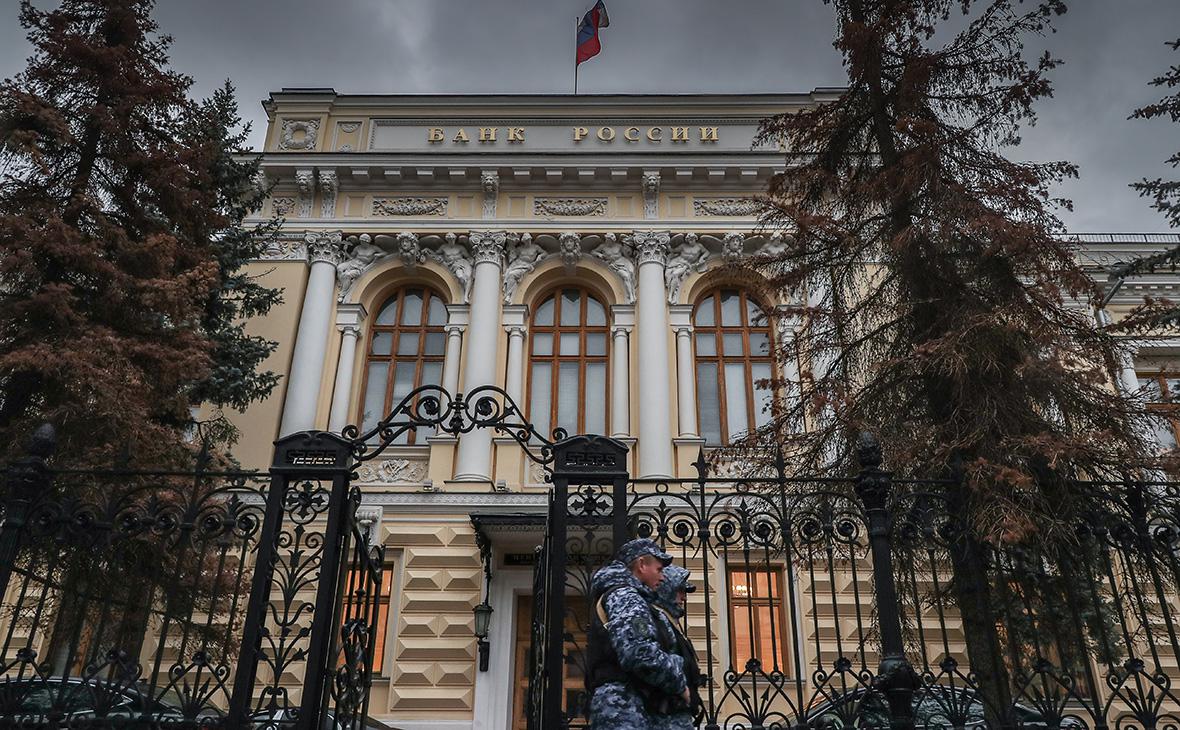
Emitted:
pixel 363 253
pixel 688 256
pixel 453 256
pixel 611 252
pixel 523 257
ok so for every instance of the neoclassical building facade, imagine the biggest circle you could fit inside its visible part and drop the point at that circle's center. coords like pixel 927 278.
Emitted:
pixel 570 250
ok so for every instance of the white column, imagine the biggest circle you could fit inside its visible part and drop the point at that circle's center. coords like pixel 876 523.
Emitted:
pixel 456 324
pixel 622 322
pixel 474 462
pixel 514 375
pixel 349 318
pixel 686 400
pixel 1128 380
pixel 785 346
pixel 651 314
pixel 324 253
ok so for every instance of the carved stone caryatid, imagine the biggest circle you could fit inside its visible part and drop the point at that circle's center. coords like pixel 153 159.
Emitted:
pixel 488 246
pixel 329 187
pixel 688 256
pixel 612 253
pixel 489 180
pixel 650 246
pixel 775 245
pixel 325 246
pixel 733 247
pixel 409 249
pixel 455 259
pixel 362 255
pixel 523 257
pixel 305 185
pixel 651 193
pixel 570 246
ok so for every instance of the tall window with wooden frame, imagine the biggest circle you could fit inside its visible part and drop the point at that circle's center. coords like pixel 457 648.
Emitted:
pixel 734 353
pixel 757 619
pixel 1161 391
pixel 568 363
pixel 405 351
pixel 355 604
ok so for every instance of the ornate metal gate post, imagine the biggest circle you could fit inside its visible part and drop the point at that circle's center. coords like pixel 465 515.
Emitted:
pixel 25 479
pixel 590 463
pixel 896 678
pixel 304 532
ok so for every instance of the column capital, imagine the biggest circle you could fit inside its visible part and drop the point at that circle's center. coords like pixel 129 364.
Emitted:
pixel 454 329
pixel 682 330
pixel 621 329
pixel 515 330
pixel 651 246
pixel 326 246
pixel 488 246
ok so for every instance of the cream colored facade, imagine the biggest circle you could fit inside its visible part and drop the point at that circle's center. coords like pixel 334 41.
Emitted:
pixel 492 202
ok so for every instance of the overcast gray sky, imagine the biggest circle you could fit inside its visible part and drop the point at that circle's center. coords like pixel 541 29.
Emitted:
pixel 1111 48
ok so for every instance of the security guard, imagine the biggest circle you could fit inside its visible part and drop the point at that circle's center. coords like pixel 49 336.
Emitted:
pixel 629 668
pixel 670 600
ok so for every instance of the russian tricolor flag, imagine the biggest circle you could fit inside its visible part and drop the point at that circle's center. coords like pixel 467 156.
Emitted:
pixel 592 22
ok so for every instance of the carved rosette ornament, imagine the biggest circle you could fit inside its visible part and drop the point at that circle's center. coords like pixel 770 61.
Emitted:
pixel 299 134
pixel 651 246
pixel 329 187
pixel 570 246
pixel 324 246
pixel 489 180
pixel 409 249
pixel 305 184
pixel 733 247
pixel 651 192
pixel 488 246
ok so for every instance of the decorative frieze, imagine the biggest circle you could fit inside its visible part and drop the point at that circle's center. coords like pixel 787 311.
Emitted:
pixel 299 134
pixel 727 207
pixel 283 206
pixel 284 248
pixel 570 207
pixel 392 471
pixel 393 207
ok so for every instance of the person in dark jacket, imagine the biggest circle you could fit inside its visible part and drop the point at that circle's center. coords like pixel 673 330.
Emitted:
pixel 627 663
pixel 670 600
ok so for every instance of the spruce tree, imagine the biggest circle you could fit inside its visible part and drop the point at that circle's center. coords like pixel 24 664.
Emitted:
pixel 121 244
pixel 943 310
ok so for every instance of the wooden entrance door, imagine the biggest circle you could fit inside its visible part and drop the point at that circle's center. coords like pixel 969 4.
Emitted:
pixel 572 681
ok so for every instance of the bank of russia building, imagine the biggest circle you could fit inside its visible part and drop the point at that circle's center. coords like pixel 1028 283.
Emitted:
pixel 570 250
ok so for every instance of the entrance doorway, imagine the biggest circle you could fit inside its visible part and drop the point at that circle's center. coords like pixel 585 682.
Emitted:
pixel 573 678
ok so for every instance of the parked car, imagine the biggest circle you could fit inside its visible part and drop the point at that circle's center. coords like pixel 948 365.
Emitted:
pixel 34 699
pixel 281 720
pixel 935 708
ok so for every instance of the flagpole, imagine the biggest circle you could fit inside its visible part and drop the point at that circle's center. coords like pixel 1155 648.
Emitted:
pixel 577 27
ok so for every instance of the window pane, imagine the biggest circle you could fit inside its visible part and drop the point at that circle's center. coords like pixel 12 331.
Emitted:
pixel 755 317
pixel 542 344
pixel 1150 387
pixel 731 314
pixel 742 636
pixel 765 648
pixel 704 314
pixel 407 343
pixel 707 345
pixel 403 380
pixel 571 307
pixel 759 344
pixel 595 313
pixel 438 312
pixel 732 344
pixel 1165 436
pixel 412 307
pixel 539 395
pixel 735 399
pixel 436 343
pixel 431 373
pixel 382 343
pixel 596 398
pixel 567 396
pixel 708 402
pixel 569 344
pixel 596 343
pixel 375 394
pixel 1173 385
pixel 545 313
pixel 388 313
pixel 763 396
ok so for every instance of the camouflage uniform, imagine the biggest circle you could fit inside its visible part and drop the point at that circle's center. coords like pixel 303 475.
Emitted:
pixel 680 716
pixel 630 624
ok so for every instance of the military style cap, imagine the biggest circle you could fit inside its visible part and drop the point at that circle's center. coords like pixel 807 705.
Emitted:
pixel 632 551
pixel 676 578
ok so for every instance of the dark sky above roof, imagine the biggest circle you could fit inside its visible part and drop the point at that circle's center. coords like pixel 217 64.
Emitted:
pixel 1112 48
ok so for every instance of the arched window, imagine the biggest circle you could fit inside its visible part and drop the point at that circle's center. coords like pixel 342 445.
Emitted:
pixel 733 353
pixel 567 363
pixel 406 346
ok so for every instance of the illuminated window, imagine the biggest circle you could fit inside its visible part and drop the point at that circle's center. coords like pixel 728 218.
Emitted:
pixel 406 346
pixel 355 606
pixel 1161 390
pixel 757 623
pixel 567 363
pixel 733 354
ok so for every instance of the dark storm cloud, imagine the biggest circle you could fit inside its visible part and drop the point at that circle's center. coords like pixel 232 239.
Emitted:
pixel 1111 48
